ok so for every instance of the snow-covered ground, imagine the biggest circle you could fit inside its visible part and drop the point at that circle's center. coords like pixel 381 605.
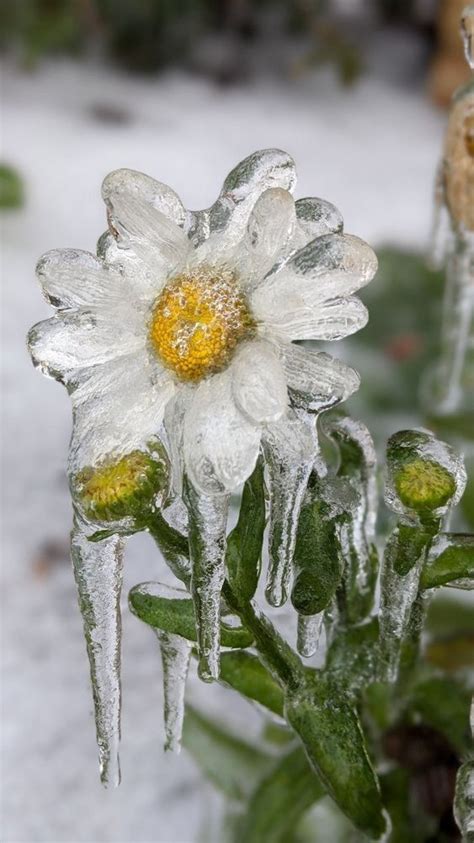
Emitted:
pixel 372 151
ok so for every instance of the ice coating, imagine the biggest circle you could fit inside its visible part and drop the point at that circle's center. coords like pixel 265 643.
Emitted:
pixel 207 544
pixel 98 573
pixel 467 32
pixel 309 633
pixel 175 658
pixel 290 448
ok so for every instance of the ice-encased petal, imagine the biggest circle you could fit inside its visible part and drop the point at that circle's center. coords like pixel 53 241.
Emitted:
pixel 290 447
pixel 269 231
pixel 207 548
pixel 141 283
pixel 330 267
pixel 317 380
pixel 98 573
pixel 146 217
pixel 258 382
pixel 71 278
pixel 329 320
pixel 315 218
pixel 65 344
pixel 267 168
pixel 174 416
pixel 175 658
pixel 220 444
pixel 117 407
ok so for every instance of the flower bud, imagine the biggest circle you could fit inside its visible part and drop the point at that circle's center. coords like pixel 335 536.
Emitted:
pixel 123 487
pixel 425 475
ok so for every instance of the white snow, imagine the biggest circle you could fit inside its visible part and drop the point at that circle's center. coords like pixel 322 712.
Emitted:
pixel 373 152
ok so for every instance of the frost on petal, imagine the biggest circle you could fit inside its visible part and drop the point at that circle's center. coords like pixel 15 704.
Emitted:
pixel 146 217
pixel 330 267
pixel 98 572
pixel 316 380
pixel 267 168
pixel 63 345
pixel 258 382
pixel 315 218
pixel 290 447
pixel 207 547
pixel 117 407
pixel 269 231
pixel 331 320
pixel 71 278
pixel 175 658
pixel 220 445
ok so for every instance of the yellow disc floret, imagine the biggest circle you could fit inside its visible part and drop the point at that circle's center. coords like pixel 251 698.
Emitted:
pixel 197 322
pixel 424 485
pixel 120 488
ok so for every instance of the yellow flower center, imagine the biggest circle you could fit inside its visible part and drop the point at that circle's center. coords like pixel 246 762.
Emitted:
pixel 198 320
pixel 424 484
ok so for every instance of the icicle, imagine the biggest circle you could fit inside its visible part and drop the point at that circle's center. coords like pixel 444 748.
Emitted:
pixel 175 657
pixel 309 632
pixel 207 545
pixel 98 573
pixel 467 32
pixel 290 447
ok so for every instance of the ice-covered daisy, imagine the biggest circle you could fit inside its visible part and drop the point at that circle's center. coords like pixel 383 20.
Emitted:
pixel 190 317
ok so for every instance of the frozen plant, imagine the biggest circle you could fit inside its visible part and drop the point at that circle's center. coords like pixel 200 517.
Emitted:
pixel 180 345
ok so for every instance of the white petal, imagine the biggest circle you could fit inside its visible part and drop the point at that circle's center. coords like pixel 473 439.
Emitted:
pixel 329 267
pixel 317 380
pixel 72 278
pixel 317 217
pixel 258 382
pixel 140 282
pixel 66 343
pixel 264 169
pixel 117 407
pixel 220 445
pixel 331 320
pixel 138 214
pixel 269 230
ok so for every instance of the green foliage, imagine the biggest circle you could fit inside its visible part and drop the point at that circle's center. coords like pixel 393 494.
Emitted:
pixel 12 193
pixel 455 561
pixel 176 615
pixel 244 543
pixel 246 674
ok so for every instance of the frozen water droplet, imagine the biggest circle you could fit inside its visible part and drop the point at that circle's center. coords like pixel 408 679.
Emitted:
pixel 98 572
pixel 467 32
pixel 175 657
pixel 290 447
pixel 207 544
pixel 309 632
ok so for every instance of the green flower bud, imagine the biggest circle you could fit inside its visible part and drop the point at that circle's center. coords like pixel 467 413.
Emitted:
pixel 424 485
pixel 124 487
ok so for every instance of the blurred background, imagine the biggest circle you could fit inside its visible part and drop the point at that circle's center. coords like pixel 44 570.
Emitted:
pixel 357 92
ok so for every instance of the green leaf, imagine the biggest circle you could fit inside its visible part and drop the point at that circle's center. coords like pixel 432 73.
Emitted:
pixel 171 610
pixel 451 558
pixel 246 674
pixel 244 543
pixel 11 188
pixel 353 656
pixel 396 796
pixel 173 546
pixel 444 704
pixel 317 561
pixel 233 765
pixel 332 736
pixel 281 799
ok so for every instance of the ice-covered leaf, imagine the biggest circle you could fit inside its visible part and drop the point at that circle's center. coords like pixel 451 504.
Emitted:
pixel 450 561
pixel 352 658
pixel 175 658
pixel 98 573
pixel 280 800
pixel 464 800
pixel 173 545
pixel 172 610
pixel 332 736
pixel 246 674
pixel 233 765
pixel 244 543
